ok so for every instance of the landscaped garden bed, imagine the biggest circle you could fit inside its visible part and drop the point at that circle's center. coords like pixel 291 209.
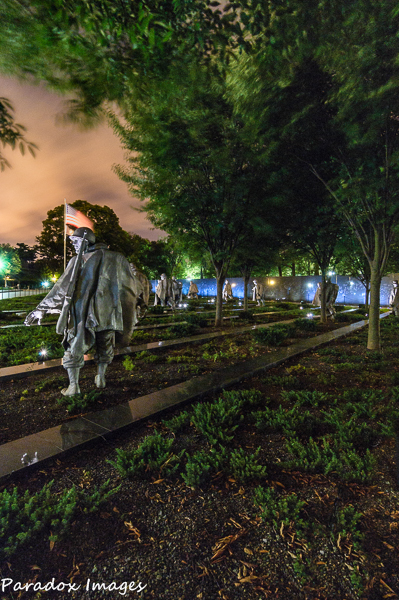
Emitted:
pixel 34 403
pixel 283 487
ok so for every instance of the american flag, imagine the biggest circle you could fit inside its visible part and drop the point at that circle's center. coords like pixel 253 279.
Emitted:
pixel 76 218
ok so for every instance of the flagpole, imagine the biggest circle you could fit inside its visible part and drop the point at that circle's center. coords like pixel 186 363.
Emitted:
pixel 64 234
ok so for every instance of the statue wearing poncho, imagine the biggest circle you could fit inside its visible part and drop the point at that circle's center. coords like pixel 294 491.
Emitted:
pixel 102 311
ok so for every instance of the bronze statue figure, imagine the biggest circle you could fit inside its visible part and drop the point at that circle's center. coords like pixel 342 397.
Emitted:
pixel 96 299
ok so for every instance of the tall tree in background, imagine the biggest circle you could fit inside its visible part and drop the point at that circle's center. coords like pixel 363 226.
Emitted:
pixel 356 43
pixel 190 165
pixel 106 228
pixel 294 126
pixel 10 263
pixel 153 257
pixel 367 188
pixel 12 134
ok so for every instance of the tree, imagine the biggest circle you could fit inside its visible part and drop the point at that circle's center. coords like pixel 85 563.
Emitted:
pixel 106 228
pixel 10 263
pixel 295 128
pixel 190 165
pixel 27 255
pixel 365 93
pixel 153 257
pixel 99 51
pixel 350 260
pixel 355 42
pixel 12 133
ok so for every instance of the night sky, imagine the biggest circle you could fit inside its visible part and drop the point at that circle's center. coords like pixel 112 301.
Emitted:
pixel 69 164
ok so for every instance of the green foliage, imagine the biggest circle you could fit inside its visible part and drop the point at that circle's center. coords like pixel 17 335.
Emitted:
pixel 180 358
pixel 178 423
pixel 283 381
pixel 347 525
pixel 244 466
pixel 286 306
pixel 306 397
pixel 22 345
pixel 139 337
pixel 24 516
pixel 217 421
pixel 182 330
pixel 330 351
pixel 278 509
pixel 50 384
pixel 326 379
pixel 27 303
pixel 79 402
pixel 290 422
pixel 273 336
pixel 243 398
pixel 147 357
pixel 106 228
pixel 349 317
pixel 306 325
pixel 246 315
pixel 196 320
pixel 156 310
pixel 201 465
pixel 128 364
pixel 326 458
pixel 12 134
pixel 153 454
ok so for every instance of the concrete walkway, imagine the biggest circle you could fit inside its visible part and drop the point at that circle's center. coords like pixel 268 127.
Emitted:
pixel 75 433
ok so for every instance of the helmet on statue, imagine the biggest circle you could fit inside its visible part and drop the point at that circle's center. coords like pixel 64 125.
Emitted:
pixel 80 231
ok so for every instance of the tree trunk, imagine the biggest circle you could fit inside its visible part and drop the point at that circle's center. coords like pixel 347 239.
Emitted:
pixel 219 299
pixel 293 269
pixel 373 340
pixel 323 312
pixel 367 294
pixel 246 282
pixel 280 271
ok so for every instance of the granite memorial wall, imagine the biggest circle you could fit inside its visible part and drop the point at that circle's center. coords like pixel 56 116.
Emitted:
pixel 294 289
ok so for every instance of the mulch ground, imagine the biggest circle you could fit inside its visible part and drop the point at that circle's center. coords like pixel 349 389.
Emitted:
pixel 211 542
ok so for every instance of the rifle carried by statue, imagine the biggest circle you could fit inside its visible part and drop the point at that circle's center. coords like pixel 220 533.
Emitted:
pixel 63 318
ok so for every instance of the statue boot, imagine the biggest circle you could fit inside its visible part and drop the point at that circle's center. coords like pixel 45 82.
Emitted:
pixel 73 388
pixel 99 379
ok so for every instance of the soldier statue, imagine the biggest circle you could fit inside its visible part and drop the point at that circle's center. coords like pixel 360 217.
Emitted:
pixel 331 296
pixel 192 291
pixel 143 286
pixel 177 291
pixel 162 291
pixel 96 299
pixel 258 293
pixel 227 292
pixel 317 297
pixel 331 293
pixel 394 298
